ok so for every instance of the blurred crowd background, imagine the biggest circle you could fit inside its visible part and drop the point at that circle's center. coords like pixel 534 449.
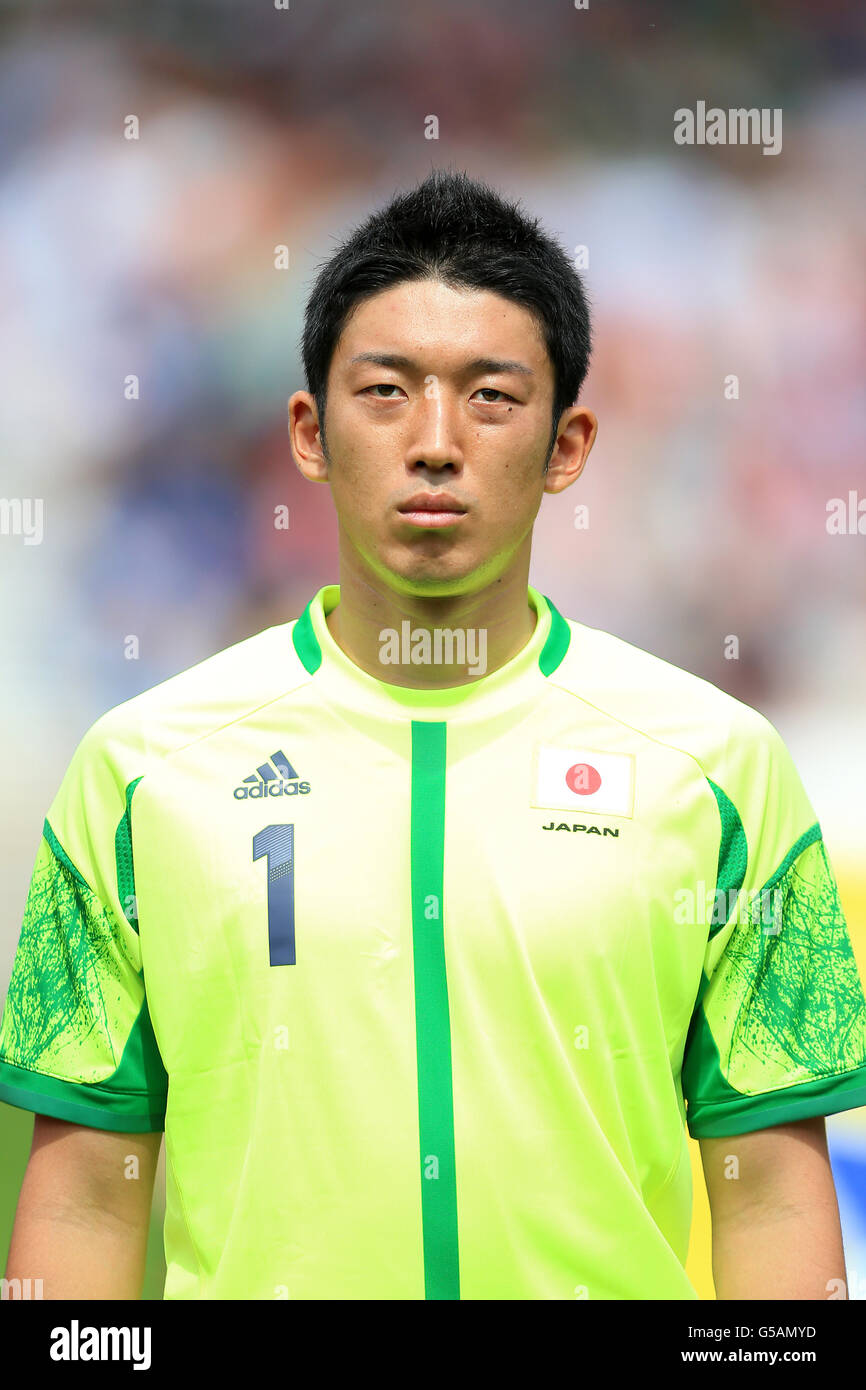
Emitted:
pixel 261 127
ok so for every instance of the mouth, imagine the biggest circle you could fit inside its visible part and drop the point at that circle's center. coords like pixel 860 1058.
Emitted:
pixel 432 509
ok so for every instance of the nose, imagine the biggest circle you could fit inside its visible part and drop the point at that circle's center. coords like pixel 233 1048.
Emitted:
pixel 436 432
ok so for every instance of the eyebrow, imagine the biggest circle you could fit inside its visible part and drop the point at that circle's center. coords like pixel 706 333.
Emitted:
pixel 490 365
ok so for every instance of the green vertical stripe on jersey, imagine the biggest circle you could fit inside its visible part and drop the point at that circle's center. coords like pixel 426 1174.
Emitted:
pixel 306 642
pixel 558 638
pixel 123 861
pixel 432 1023
pixel 733 857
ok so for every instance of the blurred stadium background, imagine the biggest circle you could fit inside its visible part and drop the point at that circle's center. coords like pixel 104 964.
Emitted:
pixel 262 126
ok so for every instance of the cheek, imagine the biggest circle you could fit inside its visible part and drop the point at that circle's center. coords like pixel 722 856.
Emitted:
pixel 509 509
pixel 518 480
pixel 359 502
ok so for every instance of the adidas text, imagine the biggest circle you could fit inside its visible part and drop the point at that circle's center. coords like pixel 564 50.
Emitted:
pixel 262 789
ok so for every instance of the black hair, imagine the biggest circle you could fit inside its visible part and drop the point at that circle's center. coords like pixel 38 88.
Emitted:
pixel 459 230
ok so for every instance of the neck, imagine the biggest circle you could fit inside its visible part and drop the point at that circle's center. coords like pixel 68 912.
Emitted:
pixel 487 628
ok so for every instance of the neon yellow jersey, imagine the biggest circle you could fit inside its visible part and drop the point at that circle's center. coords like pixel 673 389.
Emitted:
pixel 425 986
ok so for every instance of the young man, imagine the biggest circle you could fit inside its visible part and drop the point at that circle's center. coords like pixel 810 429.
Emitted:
pixel 418 921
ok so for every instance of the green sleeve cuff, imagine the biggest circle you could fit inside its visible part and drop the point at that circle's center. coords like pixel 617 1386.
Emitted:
pixel 81 1103
pixel 825 1096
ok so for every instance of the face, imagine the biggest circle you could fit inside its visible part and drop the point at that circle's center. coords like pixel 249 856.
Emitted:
pixel 434 390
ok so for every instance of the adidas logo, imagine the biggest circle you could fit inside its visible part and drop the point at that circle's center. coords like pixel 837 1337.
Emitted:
pixel 266 781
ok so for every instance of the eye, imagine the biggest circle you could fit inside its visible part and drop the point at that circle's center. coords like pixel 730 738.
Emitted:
pixel 387 385
pixel 493 391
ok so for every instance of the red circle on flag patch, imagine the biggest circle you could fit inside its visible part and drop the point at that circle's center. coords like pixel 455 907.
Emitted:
pixel 583 778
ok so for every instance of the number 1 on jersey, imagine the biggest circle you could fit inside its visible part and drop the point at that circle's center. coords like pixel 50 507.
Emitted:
pixel 277 842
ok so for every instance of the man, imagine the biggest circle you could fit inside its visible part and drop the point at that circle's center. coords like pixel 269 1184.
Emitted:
pixel 418 921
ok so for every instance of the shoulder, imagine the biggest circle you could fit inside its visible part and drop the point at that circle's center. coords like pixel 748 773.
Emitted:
pixel 663 702
pixel 655 697
pixel 732 746
pixel 127 739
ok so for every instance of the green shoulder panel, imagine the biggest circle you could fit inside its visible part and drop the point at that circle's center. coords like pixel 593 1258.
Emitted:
pixel 779 1029
pixel 76 1035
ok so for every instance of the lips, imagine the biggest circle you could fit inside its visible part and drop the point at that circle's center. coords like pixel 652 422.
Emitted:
pixel 432 502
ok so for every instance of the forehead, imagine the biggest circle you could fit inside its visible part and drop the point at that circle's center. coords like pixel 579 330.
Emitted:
pixel 426 319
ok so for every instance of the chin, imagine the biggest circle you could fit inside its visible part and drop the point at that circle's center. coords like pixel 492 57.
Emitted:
pixel 429 582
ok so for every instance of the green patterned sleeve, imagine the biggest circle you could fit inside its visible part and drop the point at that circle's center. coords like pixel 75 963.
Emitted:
pixel 76 1040
pixel 778 1031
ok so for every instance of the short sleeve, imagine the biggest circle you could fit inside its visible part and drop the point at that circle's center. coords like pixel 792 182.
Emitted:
pixel 778 1031
pixel 76 1040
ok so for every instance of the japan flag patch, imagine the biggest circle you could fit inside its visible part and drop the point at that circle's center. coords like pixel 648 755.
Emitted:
pixel 583 779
